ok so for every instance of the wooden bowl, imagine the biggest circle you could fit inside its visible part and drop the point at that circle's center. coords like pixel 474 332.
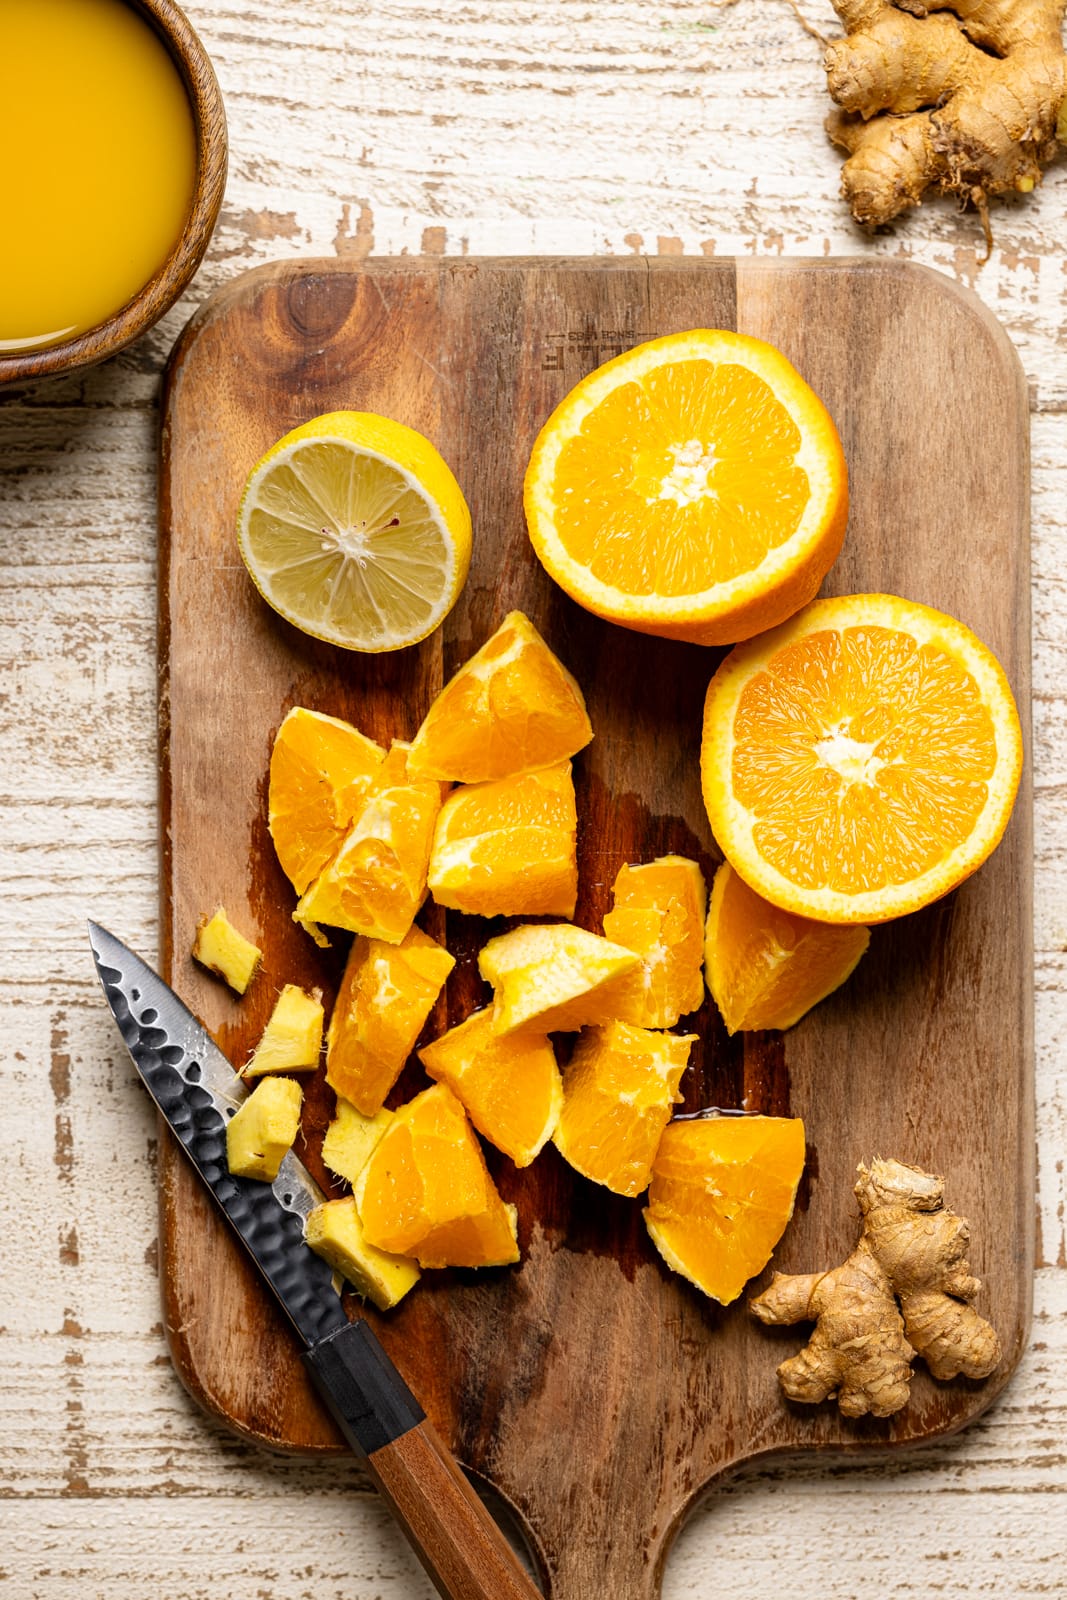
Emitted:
pixel 171 278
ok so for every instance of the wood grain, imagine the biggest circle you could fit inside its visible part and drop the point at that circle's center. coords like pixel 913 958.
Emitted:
pixel 668 1390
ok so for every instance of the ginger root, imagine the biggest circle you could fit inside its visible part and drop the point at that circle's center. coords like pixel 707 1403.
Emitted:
pixel 956 96
pixel 904 1291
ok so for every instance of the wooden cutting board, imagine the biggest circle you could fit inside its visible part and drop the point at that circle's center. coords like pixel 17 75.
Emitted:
pixel 599 1393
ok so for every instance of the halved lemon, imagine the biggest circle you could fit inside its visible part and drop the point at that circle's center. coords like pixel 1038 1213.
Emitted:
pixel 354 529
pixel 694 487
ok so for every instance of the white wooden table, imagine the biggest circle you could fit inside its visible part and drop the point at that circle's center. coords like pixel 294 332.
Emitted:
pixel 391 126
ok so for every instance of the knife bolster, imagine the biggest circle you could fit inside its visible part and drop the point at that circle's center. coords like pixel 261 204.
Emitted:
pixel 367 1397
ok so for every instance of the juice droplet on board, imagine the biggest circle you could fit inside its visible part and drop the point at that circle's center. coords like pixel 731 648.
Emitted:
pixel 102 182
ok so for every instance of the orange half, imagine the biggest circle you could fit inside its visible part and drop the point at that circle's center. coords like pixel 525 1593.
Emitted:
pixel 861 760
pixel 694 487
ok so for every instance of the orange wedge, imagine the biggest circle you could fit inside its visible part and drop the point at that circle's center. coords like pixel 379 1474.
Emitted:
pixel 488 1240
pixel 861 760
pixel 427 1173
pixel 386 994
pixel 766 968
pixel 553 978
pixel 320 771
pixel 510 1085
pixel 377 880
pixel 507 848
pixel 721 1196
pixel 513 708
pixel 618 1091
pixel 659 913
pixel 694 487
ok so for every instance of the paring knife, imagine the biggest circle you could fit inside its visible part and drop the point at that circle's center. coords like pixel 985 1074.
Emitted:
pixel 197 1090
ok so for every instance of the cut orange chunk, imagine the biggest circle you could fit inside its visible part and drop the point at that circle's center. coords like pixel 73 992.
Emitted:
pixel 766 967
pixel 513 708
pixel 618 1091
pixel 721 1196
pixel 510 1085
pixel 426 1171
pixel 386 994
pixel 320 771
pixel 861 760
pixel 553 978
pixel 490 1239
pixel 508 848
pixel 694 487
pixel 659 913
pixel 377 880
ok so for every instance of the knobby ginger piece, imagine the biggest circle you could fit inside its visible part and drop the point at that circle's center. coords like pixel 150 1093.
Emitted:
pixel 292 1039
pixel 905 1290
pixel 961 97
pixel 225 952
pixel 261 1133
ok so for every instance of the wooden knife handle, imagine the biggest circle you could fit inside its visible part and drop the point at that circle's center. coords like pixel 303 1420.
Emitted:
pixel 450 1530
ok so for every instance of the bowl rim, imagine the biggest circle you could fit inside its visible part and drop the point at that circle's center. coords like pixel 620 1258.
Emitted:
pixel 173 274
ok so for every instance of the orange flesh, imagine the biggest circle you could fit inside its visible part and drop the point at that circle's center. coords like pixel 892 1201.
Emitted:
pixel 767 967
pixel 658 912
pixel 657 495
pixel 320 772
pixel 386 995
pixel 619 1088
pixel 377 880
pixel 512 708
pixel 722 1193
pixel 507 848
pixel 510 1085
pixel 487 1240
pixel 425 1171
pixel 864 756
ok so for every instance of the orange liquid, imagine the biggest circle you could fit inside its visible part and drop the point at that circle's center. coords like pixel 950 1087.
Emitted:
pixel 99 163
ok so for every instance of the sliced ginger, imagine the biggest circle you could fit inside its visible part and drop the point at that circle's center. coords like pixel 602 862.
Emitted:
pixel 351 1137
pixel 905 1290
pixel 260 1134
pixel 292 1039
pixel 225 952
pixel 334 1231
